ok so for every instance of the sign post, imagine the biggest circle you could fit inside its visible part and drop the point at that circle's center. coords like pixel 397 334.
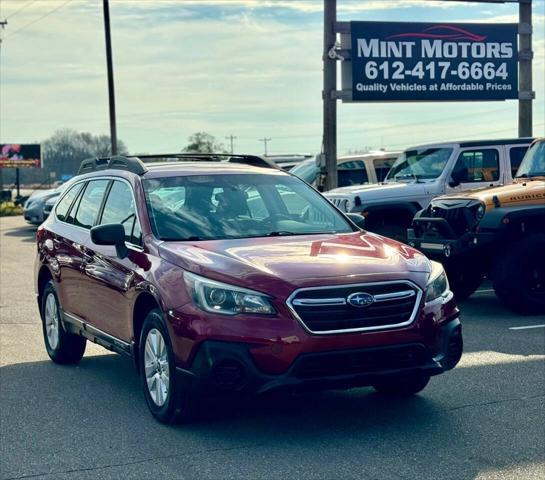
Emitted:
pixel 329 145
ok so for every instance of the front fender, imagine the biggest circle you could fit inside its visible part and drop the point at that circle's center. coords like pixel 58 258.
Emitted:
pixel 502 218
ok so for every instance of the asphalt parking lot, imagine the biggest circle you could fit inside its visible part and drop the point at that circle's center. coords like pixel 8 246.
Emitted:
pixel 484 420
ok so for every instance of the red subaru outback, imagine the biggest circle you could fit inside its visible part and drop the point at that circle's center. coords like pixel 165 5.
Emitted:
pixel 218 276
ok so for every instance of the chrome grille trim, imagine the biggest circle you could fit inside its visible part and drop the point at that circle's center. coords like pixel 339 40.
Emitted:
pixel 315 302
pixel 384 297
pixel 417 291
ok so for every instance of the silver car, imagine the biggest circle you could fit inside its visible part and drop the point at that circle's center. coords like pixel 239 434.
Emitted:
pixel 33 210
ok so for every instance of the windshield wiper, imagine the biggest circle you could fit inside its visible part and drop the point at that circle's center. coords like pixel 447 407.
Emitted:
pixel 531 175
pixel 280 233
pixel 408 175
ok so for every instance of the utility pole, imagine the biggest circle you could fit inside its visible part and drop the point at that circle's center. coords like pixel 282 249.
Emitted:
pixel 111 91
pixel 329 143
pixel 265 140
pixel 3 24
pixel 526 94
pixel 231 138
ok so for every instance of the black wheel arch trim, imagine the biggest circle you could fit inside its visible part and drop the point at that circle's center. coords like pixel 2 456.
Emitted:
pixel 496 219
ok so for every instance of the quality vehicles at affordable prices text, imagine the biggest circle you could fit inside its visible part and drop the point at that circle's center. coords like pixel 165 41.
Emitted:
pixel 424 172
pixel 498 232
pixel 217 277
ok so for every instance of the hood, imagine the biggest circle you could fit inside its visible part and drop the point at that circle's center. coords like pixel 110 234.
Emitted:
pixel 529 192
pixel 382 190
pixel 295 261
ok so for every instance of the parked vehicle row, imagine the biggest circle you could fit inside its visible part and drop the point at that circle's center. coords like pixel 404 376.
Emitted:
pixel 221 277
pixel 422 173
pixel 498 232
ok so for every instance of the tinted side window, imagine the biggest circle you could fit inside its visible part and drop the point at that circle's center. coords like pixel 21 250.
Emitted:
pixel 516 154
pixel 90 203
pixel 382 167
pixel 478 166
pixel 120 208
pixel 64 205
pixel 352 177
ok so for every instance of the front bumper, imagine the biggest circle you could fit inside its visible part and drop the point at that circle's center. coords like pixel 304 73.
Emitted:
pixel 434 237
pixel 228 366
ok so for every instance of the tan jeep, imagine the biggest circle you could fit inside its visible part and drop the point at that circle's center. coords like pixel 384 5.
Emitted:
pixel 498 232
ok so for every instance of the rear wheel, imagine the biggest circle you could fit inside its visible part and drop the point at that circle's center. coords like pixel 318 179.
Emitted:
pixel 166 399
pixel 62 347
pixel 519 276
pixel 405 386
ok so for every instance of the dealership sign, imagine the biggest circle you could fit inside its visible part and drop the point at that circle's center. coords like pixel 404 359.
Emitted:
pixel 15 155
pixel 398 61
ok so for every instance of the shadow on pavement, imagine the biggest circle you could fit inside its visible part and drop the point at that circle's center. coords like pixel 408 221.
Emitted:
pixel 96 411
pixel 26 233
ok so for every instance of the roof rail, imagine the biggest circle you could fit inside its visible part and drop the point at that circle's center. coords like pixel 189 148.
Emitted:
pixel 136 164
pixel 253 160
pixel 131 164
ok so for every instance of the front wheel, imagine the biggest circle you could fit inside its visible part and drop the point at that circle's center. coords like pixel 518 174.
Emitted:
pixel 464 277
pixel 62 346
pixel 405 386
pixel 167 401
pixel 519 275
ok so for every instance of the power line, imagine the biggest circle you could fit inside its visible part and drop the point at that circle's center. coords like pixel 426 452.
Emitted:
pixel 21 9
pixel 56 9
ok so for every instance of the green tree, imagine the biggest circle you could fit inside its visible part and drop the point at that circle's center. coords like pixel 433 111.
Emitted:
pixel 202 142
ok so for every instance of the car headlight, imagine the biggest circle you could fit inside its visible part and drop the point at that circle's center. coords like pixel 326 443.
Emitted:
pixel 217 297
pixel 438 282
pixel 480 211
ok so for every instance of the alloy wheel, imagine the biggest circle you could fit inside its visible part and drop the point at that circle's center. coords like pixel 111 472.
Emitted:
pixel 156 368
pixel 52 321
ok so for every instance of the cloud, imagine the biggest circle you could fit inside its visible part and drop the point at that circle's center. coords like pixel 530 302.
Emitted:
pixel 238 67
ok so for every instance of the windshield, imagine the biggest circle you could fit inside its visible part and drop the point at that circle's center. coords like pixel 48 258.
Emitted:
pixel 209 207
pixel 307 170
pixel 426 163
pixel 533 164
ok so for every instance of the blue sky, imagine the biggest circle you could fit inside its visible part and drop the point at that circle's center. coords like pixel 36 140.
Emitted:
pixel 243 67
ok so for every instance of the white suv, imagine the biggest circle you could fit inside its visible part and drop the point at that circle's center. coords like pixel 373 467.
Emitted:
pixel 421 173
pixel 358 169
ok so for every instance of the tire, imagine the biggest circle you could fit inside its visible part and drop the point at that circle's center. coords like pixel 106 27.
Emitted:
pixel 165 397
pixel 396 232
pixel 403 387
pixel 62 347
pixel 464 278
pixel 519 276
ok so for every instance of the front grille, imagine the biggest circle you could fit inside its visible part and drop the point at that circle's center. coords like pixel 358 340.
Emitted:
pixel 340 203
pixel 353 362
pixel 327 309
pixel 455 217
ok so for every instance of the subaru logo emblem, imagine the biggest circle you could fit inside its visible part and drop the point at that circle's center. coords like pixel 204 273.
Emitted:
pixel 360 299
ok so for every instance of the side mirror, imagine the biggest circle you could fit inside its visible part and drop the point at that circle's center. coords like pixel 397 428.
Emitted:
pixel 458 176
pixel 111 234
pixel 359 220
